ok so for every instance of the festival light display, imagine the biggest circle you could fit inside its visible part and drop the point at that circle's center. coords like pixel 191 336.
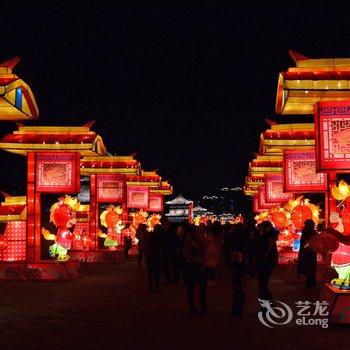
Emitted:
pixel 274 189
pixel 152 221
pixel 137 197
pixel 56 157
pixel 312 81
pixel 289 219
pixel 156 203
pixel 138 217
pixel 111 218
pixel 340 220
pixel 110 188
pixel 63 216
pixel 256 208
pixel 333 136
pixel 57 172
pixel 262 202
pixel 16 98
pixel 300 174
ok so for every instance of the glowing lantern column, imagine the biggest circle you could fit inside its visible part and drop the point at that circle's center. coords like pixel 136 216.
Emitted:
pixel 33 212
pixel 93 209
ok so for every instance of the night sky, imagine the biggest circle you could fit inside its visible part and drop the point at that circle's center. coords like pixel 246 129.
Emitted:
pixel 186 87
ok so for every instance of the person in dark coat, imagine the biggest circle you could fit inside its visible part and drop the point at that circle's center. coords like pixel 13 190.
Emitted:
pixel 127 241
pixel 194 252
pixel 235 255
pixel 266 259
pixel 153 257
pixel 179 265
pixel 307 258
pixel 142 236
pixel 169 251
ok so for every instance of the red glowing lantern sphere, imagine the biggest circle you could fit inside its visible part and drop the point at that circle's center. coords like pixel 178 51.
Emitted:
pixel 112 218
pixel 299 215
pixel 280 220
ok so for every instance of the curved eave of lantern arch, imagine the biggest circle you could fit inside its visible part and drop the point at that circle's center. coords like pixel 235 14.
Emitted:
pixel 13 209
pixel 312 81
pixel 165 189
pixel 165 192
pixel 17 101
pixel 23 149
pixel 108 164
pixel 38 139
pixel 98 146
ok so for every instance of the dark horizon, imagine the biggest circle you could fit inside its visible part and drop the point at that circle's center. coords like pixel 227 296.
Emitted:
pixel 186 88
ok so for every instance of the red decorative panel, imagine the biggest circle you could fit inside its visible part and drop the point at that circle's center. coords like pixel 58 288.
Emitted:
pixel 300 172
pixel 15 236
pixel 156 202
pixel 85 241
pixel 274 189
pixel 137 197
pixel 110 188
pixel 263 204
pixel 256 208
pixel 332 122
pixel 58 172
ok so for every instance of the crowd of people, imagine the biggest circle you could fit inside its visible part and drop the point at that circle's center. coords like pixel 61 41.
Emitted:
pixel 195 255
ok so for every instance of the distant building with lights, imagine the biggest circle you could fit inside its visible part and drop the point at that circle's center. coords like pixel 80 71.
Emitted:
pixel 179 209
pixel 199 211
pixel 228 200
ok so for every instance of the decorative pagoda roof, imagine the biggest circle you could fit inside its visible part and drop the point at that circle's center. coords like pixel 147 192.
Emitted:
pixel 152 181
pixel 125 165
pixel 258 167
pixel 13 209
pixel 110 164
pixel 53 138
pixel 17 101
pixel 272 143
pixel 254 180
pixel 266 163
pixel 179 200
pixel 198 208
pixel 312 81
pixel 287 136
pixel 165 188
pixel 250 190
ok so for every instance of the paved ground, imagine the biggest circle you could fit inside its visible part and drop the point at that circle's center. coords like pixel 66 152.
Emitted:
pixel 110 308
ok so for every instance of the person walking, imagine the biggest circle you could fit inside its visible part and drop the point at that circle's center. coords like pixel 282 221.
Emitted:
pixel 235 256
pixel 179 261
pixel 142 236
pixel 307 258
pixel 211 255
pixel 153 258
pixel 266 260
pixel 127 240
pixel 194 252
pixel 169 250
